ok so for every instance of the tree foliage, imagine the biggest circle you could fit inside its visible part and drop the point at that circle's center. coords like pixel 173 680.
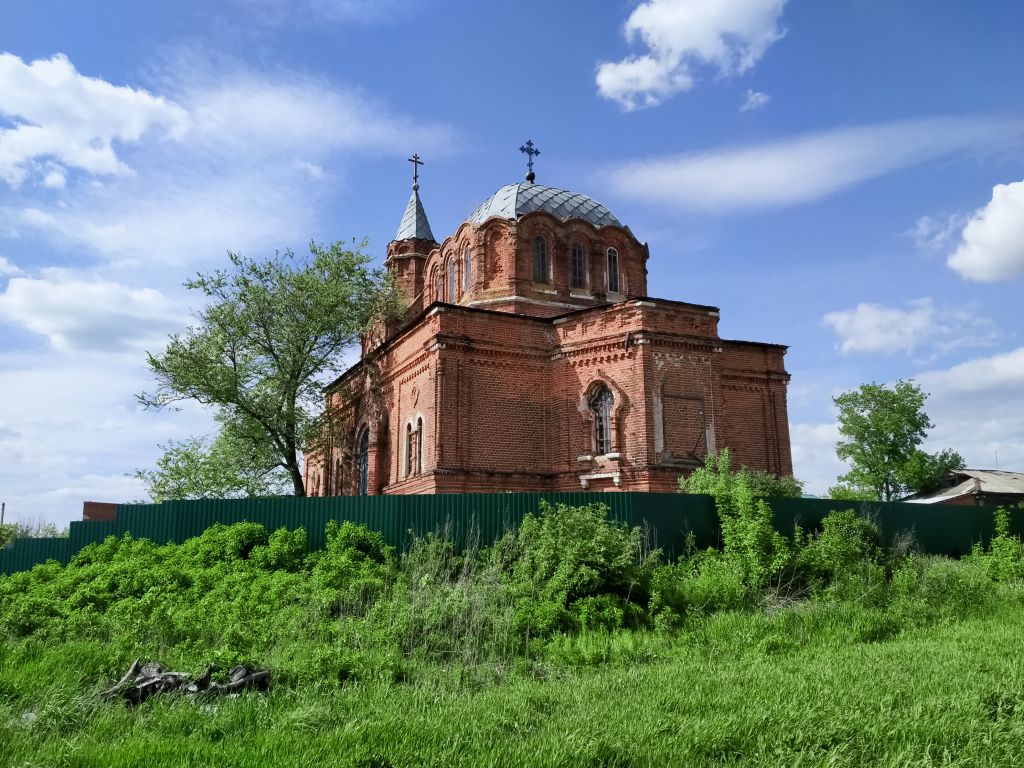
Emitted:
pixel 269 335
pixel 881 428
pixel 222 468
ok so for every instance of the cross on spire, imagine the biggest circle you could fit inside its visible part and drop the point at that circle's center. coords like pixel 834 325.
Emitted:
pixel 531 152
pixel 416 163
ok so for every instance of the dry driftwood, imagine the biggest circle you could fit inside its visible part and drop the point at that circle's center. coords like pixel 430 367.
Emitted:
pixel 144 680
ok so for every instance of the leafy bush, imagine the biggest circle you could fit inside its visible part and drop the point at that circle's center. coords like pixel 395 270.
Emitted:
pixel 567 554
pixel 717 478
pixel 847 546
pixel 1004 560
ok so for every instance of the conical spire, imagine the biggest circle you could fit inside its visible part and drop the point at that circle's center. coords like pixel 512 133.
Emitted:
pixel 414 220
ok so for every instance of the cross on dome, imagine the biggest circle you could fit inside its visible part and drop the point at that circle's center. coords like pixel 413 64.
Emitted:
pixel 531 152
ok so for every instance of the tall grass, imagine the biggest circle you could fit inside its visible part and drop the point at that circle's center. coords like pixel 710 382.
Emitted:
pixel 568 642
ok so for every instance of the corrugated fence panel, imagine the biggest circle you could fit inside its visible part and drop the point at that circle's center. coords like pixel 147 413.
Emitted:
pixel 483 517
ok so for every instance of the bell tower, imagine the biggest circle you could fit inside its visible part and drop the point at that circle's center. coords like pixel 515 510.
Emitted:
pixel 407 253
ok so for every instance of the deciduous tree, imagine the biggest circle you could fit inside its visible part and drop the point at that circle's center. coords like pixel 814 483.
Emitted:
pixel 269 336
pixel 881 428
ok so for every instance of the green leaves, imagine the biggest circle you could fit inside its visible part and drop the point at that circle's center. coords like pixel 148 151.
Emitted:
pixel 269 335
pixel 232 465
pixel 881 429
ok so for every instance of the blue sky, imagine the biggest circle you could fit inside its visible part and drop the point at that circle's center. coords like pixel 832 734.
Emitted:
pixel 846 178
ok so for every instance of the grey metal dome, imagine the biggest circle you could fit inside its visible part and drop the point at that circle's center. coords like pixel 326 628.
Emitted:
pixel 515 200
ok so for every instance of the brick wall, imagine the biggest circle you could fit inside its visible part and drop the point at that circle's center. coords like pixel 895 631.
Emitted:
pixel 499 373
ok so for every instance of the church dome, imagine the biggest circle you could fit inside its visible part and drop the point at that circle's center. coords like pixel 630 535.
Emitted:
pixel 515 200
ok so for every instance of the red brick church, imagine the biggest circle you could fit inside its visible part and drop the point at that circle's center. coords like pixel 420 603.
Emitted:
pixel 533 358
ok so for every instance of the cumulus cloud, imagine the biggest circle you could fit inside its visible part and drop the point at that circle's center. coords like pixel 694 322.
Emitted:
pixel 992 241
pixel 807 167
pixel 62 115
pixel 77 314
pixel 682 36
pixel 754 100
pixel 874 328
pixel 920 326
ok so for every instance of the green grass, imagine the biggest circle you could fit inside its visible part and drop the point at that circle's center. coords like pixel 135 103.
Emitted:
pixel 811 684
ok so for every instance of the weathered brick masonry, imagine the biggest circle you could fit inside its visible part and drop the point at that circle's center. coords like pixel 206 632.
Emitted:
pixel 532 359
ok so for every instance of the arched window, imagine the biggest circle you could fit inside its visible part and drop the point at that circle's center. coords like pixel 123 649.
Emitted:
pixel 408 449
pixel 540 260
pixel 577 270
pixel 467 270
pixel 364 462
pixel 613 270
pixel 453 283
pixel 419 445
pixel 437 286
pixel 601 408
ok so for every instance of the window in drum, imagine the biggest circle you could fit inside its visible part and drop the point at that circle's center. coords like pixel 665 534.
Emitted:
pixel 613 271
pixel 467 270
pixel 577 270
pixel 540 260
pixel 452 281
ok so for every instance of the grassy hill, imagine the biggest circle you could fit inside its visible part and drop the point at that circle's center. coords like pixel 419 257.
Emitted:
pixel 568 642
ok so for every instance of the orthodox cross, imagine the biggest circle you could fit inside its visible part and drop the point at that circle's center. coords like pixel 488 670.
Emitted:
pixel 531 152
pixel 416 163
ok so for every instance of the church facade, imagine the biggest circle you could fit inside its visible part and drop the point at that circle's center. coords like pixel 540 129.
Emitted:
pixel 532 358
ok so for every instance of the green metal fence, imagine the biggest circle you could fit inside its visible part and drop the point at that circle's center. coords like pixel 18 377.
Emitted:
pixel 668 517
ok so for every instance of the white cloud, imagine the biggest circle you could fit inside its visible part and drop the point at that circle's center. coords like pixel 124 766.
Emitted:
pixel 78 314
pixel 978 409
pixel 921 326
pixel 55 178
pixel 727 36
pixel 992 245
pixel 62 115
pixel 807 167
pixel 934 234
pixel 874 328
pixel 315 171
pixel 72 420
pixel 814 455
pixel 239 178
pixel 7 268
pixel 754 100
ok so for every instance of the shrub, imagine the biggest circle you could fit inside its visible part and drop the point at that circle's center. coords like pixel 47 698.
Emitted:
pixel 566 554
pixel 355 567
pixel 1006 552
pixel 717 478
pixel 284 551
pixel 848 547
